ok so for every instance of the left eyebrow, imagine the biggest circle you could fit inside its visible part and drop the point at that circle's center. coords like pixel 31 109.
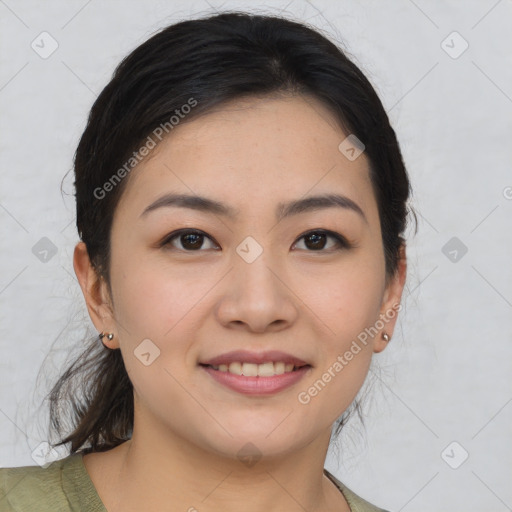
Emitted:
pixel 314 203
pixel 283 210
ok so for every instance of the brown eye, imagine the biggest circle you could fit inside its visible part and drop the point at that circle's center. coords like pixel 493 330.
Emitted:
pixel 317 240
pixel 190 240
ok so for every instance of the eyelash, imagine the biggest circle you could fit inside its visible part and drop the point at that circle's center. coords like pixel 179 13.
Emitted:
pixel 342 242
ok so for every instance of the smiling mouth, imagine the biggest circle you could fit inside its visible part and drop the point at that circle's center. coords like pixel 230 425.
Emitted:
pixel 268 369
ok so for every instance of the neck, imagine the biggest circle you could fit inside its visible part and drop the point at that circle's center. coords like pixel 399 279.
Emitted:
pixel 172 472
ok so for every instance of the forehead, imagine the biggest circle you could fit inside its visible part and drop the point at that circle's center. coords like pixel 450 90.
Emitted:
pixel 252 153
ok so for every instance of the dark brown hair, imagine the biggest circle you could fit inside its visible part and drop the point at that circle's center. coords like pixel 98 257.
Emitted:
pixel 213 60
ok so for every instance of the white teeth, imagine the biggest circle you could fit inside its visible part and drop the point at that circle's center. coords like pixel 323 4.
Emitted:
pixel 235 368
pixel 264 370
pixel 279 368
pixel 253 370
pixel 250 369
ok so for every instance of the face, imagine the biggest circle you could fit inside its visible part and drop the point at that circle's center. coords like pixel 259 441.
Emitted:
pixel 190 284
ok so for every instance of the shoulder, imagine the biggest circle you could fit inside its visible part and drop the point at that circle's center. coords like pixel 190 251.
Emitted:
pixel 355 502
pixel 58 487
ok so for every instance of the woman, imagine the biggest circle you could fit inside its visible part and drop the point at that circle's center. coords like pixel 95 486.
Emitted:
pixel 241 200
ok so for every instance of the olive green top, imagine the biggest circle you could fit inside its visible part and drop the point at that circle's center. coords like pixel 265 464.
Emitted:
pixel 65 486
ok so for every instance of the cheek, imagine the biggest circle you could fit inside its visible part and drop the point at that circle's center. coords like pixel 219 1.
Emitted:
pixel 344 304
pixel 149 300
pixel 142 301
pixel 151 307
pixel 163 306
pixel 346 299
pixel 334 385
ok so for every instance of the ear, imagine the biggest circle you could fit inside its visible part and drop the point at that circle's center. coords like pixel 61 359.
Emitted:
pixel 391 302
pixel 95 292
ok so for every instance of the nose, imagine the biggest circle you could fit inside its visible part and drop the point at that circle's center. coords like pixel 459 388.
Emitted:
pixel 257 297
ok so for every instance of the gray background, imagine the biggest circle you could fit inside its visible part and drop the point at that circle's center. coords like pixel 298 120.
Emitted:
pixel 445 376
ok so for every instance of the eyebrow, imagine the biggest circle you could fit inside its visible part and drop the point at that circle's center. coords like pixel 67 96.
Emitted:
pixel 283 210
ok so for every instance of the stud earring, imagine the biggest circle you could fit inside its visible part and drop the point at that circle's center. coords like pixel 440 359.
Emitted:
pixel 110 336
pixel 385 336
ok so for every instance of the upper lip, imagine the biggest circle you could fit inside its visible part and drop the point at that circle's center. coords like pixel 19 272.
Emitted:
pixel 244 356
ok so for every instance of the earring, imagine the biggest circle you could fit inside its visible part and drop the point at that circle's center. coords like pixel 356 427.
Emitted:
pixel 110 336
pixel 385 336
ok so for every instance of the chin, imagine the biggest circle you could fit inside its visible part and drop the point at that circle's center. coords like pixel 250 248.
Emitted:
pixel 250 440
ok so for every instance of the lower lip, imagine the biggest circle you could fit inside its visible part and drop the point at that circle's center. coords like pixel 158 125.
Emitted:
pixel 257 385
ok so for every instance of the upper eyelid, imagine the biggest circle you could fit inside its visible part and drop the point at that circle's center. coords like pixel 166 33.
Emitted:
pixel 183 231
